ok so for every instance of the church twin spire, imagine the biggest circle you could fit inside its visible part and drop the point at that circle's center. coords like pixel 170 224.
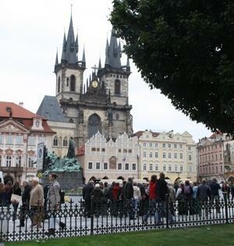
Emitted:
pixel 71 47
pixel 113 52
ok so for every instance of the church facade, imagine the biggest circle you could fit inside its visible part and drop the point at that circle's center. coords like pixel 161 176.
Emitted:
pixel 99 104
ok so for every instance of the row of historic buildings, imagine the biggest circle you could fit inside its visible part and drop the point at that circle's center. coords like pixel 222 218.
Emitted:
pixel 97 115
pixel 140 155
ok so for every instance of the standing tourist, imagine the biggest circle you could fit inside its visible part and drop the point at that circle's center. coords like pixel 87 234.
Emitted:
pixel 6 195
pixel 226 189
pixel 17 191
pixel 136 198
pixel 171 198
pixel 115 195
pixel 196 207
pixel 5 192
pixel 152 193
pixel 180 197
pixel 97 194
pixel 203 194
pixel 214 192
pixel 36 203
pixel 53 203
pixel 188 196
pixel 87 197
pixel 162 193
pixel 25 202
pixel 128 197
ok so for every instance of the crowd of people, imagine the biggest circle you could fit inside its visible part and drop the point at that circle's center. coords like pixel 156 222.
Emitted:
pixel 33 200
pixel 128 198
pixel 131 198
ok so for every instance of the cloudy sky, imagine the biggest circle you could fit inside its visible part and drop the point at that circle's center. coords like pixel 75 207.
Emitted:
pixel 31 34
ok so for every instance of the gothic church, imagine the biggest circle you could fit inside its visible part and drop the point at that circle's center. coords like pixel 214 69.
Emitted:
pixel 99 104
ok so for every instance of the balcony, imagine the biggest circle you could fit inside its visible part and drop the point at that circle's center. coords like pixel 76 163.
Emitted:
pixel 12 169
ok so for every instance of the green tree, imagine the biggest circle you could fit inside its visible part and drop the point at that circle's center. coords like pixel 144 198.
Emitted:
pixel 185 49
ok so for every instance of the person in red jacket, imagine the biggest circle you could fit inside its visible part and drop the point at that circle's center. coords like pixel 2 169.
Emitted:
pixel 152 192
pixel 115 194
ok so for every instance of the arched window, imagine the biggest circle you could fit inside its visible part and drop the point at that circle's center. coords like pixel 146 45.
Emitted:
pixel 55 141
pixel 117 87
pixel 94 125
pixel 65 142
pixel 73 83
pixel 59 84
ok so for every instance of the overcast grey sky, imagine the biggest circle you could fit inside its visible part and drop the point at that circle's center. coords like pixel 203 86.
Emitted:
pixel 32 31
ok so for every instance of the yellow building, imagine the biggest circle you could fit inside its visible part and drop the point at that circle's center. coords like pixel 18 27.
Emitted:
pixel 173 154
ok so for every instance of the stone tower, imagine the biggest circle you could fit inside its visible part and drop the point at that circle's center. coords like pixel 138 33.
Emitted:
pixel 101 103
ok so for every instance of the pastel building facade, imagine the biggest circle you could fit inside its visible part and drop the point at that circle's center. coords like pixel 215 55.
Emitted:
pixel 216 157
pixel 173 154
pixel 109 159
pixel 22 137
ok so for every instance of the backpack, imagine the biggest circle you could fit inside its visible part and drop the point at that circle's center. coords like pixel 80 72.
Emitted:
pixel 62 196
pixel 187 190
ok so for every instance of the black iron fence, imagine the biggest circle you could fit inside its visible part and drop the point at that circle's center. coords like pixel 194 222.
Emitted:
pixel 94 217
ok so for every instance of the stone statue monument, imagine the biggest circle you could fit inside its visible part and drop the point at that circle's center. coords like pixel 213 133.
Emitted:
pixel 67 168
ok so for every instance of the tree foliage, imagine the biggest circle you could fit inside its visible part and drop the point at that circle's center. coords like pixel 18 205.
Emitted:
pixel 185 49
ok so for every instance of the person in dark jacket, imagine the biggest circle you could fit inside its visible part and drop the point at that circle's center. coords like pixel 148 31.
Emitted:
pixel 162 193
pixel 97 194
pixel 25 202
pixel 6 195
pixel 87 197
pixel 203 195
pixel 128 197
pixel 214 192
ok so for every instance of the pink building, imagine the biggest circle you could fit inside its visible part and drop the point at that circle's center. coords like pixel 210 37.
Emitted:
pixel 211 157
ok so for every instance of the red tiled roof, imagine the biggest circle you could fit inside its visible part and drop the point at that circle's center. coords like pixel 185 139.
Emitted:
pixel 17 111
pixel 215 134
pixel 139 134
pixel 22 115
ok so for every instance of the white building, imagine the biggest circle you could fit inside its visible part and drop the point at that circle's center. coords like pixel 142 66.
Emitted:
pixel 20 133
pixel 101 158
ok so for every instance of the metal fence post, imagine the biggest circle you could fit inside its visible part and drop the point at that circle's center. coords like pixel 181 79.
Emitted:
pixel 226 206
pixel 92 215
pixel 167 211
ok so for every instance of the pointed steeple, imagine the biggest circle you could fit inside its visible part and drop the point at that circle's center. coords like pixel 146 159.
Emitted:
pixel 71 51
pixel 70 45
pixel 64 47
pixel 113 52
pixel 99 64
pixel 77 44
pixel 107 53
pixel 56 59
pixel 83 58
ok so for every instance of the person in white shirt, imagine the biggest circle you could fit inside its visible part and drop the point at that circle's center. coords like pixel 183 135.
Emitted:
pixel 136 198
